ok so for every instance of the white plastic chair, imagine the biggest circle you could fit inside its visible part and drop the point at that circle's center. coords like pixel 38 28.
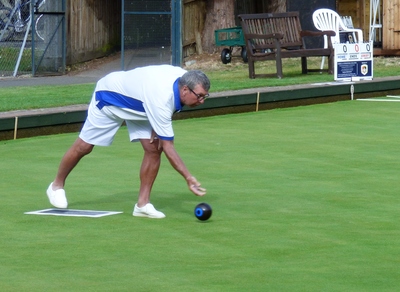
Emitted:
pixel 327 19
pixel 375 20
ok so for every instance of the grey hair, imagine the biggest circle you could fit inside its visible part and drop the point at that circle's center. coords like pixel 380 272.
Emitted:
pixel 193 78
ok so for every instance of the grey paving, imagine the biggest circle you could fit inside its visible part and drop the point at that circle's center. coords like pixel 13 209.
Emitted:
pixel 85 76
pixel 51 80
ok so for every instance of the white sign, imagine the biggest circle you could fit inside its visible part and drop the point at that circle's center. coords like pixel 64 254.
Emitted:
pixel 353 61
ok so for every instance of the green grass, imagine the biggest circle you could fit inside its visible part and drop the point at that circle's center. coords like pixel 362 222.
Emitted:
pixel 12 54
pixel 234 76
pixel 228 77
pixel 304 199
pixel 33 97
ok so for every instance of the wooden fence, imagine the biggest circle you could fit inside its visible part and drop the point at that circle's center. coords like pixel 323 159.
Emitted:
pixel 93 28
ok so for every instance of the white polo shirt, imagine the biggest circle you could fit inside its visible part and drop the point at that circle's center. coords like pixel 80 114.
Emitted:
pixel 150 93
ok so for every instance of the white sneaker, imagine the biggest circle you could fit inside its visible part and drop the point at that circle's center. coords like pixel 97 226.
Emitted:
pixel 147 211
pixel 57 198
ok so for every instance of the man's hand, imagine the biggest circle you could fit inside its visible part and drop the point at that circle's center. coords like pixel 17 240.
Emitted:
pixel 155 137
pixel 194 186
pixel 179 166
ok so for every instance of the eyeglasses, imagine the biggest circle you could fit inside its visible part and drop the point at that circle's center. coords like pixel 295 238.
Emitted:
pixel 199 97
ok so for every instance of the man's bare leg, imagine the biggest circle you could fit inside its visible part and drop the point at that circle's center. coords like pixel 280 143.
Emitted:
pixel 149 170
pixel 55 192
pixel 71 158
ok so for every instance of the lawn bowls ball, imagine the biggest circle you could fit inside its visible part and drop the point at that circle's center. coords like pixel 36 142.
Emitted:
pixel 203 211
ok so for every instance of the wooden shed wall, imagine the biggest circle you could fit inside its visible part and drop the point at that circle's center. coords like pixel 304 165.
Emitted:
pixel 93 28
pixel 391 25
pixel 359 10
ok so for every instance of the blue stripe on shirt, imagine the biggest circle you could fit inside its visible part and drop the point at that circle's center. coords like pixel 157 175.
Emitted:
pixel 177 96
pixel 106 98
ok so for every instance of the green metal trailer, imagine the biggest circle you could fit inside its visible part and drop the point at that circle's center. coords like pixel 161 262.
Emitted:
pixel 230 37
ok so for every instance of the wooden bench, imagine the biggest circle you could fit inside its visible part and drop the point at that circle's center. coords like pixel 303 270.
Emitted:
pixel 274 36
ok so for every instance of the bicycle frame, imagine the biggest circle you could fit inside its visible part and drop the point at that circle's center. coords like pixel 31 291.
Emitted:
pixel 17 19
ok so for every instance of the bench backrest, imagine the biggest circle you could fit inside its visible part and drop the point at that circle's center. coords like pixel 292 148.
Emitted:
pixel 287 24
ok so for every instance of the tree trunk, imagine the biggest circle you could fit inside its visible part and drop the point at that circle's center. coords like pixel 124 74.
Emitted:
pixel 220 14
pixel 277 6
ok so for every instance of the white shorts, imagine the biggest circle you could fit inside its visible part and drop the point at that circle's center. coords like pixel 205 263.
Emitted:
pixel 101 126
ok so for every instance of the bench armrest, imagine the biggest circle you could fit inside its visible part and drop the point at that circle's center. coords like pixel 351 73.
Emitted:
pixel 329 33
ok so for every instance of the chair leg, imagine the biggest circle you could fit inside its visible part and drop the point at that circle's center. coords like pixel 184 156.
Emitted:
pixel 252 74
pixel 304 68
pixel 323 58
pixel 331 64
pixel 278 60
pixel 322 63
pixel 279 72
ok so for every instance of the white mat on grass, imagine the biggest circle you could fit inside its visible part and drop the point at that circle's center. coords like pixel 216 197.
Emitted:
pixel 378 99
pixel 73 213
pixel 396 98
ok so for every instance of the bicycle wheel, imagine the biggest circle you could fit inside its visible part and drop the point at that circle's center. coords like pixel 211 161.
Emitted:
pixel 39 3
pixel 39 27
pixel 7 33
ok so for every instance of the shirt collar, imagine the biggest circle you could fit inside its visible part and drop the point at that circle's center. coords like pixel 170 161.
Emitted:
pixel 177 96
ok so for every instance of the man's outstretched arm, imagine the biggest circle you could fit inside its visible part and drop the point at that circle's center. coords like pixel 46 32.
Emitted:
pixel 178 164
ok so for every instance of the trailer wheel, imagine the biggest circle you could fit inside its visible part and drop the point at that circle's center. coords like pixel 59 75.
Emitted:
pixel 244 54
pixel 226 56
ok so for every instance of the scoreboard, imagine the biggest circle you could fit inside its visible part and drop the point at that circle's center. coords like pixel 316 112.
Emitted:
pixel 354 61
